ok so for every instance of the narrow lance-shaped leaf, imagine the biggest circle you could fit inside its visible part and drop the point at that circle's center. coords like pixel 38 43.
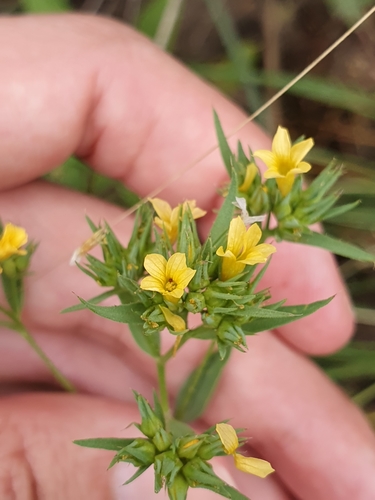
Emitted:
pixel 115 444
pixel 341 210
pixel 333 245
pixel 94 300
pixel 301 311
pixel 225 150
pixel 223 218
pixel 124 313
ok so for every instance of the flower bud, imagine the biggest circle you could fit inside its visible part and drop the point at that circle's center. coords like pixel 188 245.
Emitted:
pixel 188 447
pixel 162 440
pixel 211 320
pixel 259 201
pixel 167 465
pixel 150 422
pixel 199 473
pixel 141 449
pixel 211 449
pixel 195 302
pixel 232 334
pixel 179 488
pixel 9 268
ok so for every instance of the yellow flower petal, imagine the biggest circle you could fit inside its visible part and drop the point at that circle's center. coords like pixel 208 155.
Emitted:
pixel 281 145
pixel 251 239
pixel 176 322
pixel 12 239
pixel 162 208
pixel 302 168
pixel 155 264
pixel 153 284
pixel 272 174
pixel 255 466
pixel 231 268
pixel 251 172
pixel 196 212
pixel 267 157
pixel 300 150
pixel 285 184
pixel 236 234
pixel 258 255
pixel 228 437
pixel 178 271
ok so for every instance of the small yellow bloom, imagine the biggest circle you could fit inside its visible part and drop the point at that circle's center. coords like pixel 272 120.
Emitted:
pixel 170 278
pixel 285 160
pixel 168 218
pixel 229 439
pixel 251 172
pixel 242 249
pixel 12 239
pixel 175 321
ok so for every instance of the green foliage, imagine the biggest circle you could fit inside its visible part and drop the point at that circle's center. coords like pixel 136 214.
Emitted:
pixel 39 6
pixel 333 245
pixel 297 312
pixel 198 388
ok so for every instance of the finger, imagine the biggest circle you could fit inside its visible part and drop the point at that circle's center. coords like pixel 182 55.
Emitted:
pixel 317 441
pixel 118 103
pixel 39 459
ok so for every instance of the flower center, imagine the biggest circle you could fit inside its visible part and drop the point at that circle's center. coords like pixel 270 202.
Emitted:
pixel 170 285
pixel 284 165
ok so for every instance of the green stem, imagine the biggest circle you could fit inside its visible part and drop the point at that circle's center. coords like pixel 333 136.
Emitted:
pixel 163 393
pixel 364 397
pixel 62 380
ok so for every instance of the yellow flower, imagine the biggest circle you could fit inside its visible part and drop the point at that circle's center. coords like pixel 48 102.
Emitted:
pixel 175 321
pixel 168 218
pixel 170 278
pixel 12 239
pixel 242 249
pixel 229 439
pixel 251 172
pixel 285 160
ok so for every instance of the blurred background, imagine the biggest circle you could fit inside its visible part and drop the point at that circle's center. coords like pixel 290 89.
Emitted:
pixel 250 50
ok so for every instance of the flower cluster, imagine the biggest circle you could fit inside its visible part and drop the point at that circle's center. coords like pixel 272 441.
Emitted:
pixel 166 272
pixel 179 457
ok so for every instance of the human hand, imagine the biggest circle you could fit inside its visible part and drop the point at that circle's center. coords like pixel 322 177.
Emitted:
pixel 75 84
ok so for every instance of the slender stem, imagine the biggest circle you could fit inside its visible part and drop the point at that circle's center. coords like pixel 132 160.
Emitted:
pixel 366 396
pixel 63 381
pixel 163 393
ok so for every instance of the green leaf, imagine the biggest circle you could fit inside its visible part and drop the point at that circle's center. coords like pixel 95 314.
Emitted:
pixel 124 313
pixel 115 444
pixel 235 494
pixel 263 312
pixel 139 472
pixel 225 150
pixel 94 300
pixel 45 5
pixel 198 388
pixel 150 17
pixel 148 343
pixel 223 218
pixel 300 311
pixel 333 245
pixel 341 210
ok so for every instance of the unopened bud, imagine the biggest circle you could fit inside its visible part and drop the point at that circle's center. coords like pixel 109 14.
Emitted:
pixel 179 488
pixel 143 450
pixel 195 302
pixel 150 422
pixel 162 440
pixel 188 447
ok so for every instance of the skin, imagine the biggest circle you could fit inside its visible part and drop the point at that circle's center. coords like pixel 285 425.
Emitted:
pixel 91 87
